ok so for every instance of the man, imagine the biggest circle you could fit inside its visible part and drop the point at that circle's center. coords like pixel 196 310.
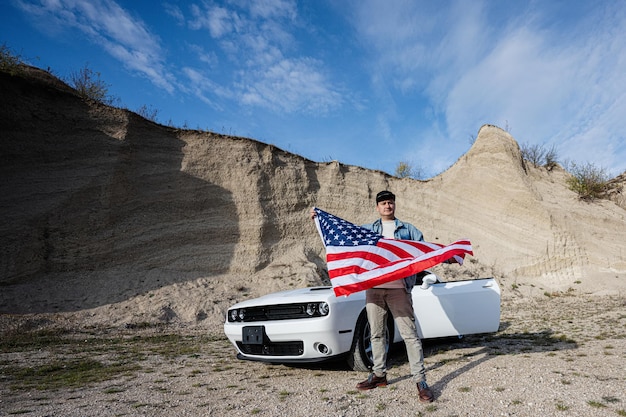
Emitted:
pixel 395 298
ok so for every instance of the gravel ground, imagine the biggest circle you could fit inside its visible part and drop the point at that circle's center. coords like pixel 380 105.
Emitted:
pixel 554 356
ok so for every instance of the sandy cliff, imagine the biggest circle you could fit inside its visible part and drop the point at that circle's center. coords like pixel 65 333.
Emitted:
pixel 119 220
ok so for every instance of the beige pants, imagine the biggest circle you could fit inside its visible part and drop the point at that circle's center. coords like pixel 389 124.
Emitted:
pixel 397 301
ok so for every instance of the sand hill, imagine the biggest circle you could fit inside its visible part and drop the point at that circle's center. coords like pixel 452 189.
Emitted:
pixel 115 220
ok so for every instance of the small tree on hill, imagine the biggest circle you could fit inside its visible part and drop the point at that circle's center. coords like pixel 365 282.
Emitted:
pixel 89 85
pixel 148 112
pixel 550 158
pixel 538 155
pixel 406 169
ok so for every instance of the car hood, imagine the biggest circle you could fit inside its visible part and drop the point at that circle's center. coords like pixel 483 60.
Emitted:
pixel 309 294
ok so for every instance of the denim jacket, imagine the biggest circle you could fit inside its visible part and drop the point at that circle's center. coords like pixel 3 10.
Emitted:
pixel 404 231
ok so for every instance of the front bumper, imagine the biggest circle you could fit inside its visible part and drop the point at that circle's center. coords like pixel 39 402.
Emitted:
pixel 303 340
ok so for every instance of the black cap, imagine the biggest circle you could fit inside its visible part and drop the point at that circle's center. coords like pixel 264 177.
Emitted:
pixel 384 196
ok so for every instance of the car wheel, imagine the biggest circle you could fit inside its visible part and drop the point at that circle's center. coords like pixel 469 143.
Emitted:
pixel 360 355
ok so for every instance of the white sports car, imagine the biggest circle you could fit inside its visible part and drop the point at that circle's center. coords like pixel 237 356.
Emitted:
pixel 312 324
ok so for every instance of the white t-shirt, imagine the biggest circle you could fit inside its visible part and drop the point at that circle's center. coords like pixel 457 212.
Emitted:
pixel 389 229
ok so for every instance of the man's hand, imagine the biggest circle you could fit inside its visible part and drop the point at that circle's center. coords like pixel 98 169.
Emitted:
pixel 452 260
pixel 312 213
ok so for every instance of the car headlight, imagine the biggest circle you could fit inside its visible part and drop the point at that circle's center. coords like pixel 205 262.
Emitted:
pixel 317 309
pixel 311 308
pixel 232 315
pixel 323 308
pixel 236 314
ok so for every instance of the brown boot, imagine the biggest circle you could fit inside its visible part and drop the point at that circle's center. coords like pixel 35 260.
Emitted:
pixel 425 394
pixel 372 382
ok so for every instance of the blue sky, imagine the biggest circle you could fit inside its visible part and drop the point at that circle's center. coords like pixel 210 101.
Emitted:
pixel 365 82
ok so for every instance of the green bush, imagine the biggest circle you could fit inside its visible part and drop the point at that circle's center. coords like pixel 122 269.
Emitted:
pixel 588 181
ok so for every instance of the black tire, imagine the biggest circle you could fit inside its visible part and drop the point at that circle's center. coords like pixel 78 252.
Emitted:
pixel 360 355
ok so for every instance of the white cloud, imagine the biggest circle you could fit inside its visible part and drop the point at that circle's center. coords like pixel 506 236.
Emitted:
pixel 219 21
pixel 108 25
pixel 265 68
pixel 272 8
pixel 175 12
pixel 209 58
pixel 290 86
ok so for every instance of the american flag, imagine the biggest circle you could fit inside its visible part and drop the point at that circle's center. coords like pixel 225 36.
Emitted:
pixel 359 259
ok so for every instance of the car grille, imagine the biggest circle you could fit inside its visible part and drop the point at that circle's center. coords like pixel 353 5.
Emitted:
pixel 276 312
pixel 273 348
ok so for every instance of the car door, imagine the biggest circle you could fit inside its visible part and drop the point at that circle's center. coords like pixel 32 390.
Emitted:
pixel 457 308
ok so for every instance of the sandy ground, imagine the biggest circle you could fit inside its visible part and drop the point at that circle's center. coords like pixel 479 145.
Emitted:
pixel 554 356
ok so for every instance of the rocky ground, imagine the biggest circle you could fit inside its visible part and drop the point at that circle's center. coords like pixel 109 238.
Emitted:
pixel 555 355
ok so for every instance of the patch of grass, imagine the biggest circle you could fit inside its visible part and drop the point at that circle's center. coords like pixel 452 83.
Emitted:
pixel 114 390
pixel 562 407
pixel 77 357
pixel 465 389
pixel 72 373
pixel 596 404
pixel 621 413
pixel 21 340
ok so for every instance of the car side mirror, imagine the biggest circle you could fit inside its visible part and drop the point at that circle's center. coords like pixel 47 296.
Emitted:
pixel 428 280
